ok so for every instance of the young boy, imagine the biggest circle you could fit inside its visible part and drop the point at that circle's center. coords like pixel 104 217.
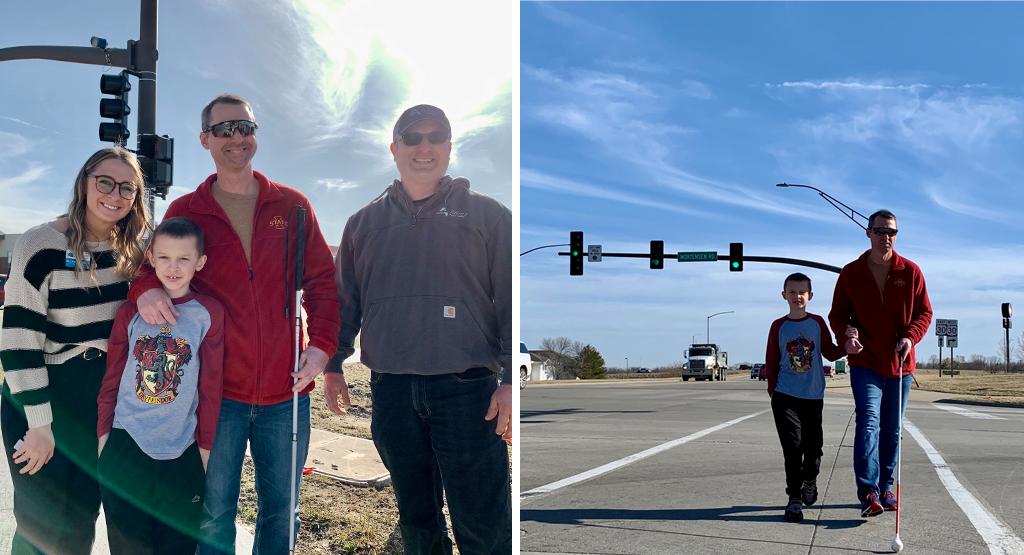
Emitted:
pixel 796 385
pixel 159 404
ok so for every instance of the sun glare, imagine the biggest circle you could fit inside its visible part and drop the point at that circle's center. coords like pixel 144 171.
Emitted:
pixel 459 55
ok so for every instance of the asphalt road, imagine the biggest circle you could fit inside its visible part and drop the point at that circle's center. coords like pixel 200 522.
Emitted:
pixel 662 466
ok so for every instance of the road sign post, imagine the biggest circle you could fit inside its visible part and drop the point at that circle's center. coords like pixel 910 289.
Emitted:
pixel 945 328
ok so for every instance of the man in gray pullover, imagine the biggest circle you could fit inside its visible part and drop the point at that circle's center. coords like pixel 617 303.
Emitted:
pixel 425 271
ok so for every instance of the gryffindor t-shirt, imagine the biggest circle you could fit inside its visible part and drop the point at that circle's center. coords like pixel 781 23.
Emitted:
pixel 793 357
pixel 163 383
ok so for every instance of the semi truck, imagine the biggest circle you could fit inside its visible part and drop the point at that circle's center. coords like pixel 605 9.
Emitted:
pixel 706 361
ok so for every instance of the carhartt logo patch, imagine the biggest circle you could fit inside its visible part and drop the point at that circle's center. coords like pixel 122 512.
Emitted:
pixel 277 222
pixel 449 312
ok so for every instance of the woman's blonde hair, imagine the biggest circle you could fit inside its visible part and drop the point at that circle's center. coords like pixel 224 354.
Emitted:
pixel 127 234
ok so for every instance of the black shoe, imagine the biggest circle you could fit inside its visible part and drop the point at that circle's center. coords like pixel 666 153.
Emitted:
pixel 793 511
pixel 809 493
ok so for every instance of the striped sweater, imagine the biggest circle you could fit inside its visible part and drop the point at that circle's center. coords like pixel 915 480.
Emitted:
pixel 51 315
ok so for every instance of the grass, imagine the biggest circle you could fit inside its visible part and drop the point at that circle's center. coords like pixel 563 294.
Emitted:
pixel 998 388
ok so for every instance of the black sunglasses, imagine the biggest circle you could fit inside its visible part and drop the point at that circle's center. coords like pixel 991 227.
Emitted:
pixel 106 185
pixel 226 129
pixel 413 138
pixel 887 231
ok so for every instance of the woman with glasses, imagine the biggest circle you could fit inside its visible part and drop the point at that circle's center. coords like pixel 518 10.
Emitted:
pixel 68 278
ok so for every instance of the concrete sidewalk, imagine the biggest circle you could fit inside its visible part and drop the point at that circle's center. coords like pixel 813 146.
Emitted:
pixel 348 459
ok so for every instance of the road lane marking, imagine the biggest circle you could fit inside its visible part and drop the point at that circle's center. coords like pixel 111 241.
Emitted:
pixel 614 465
pixel 964 411
pixel 999 537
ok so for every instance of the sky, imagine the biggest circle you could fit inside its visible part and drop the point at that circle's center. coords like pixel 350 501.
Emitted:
pixel 327 80
pixel 675 121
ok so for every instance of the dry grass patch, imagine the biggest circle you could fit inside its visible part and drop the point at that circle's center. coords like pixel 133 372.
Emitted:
pixel 1003 389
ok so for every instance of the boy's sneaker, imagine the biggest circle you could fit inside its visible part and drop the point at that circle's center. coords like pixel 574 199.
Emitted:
pixel 871 506
pixel 889 502
pixel 793 511
pixel 809 492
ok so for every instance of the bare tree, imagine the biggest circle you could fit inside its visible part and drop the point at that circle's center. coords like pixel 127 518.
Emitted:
pixel 562 346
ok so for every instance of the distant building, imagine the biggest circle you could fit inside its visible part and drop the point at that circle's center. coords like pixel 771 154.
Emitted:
pixel 6 248
pixel 549 365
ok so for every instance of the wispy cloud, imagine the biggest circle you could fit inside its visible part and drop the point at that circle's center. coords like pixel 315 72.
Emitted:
pixel 336 184
pixel 849 85
pixel 13 183
pixel 577 24
pixel 13 145
pixel 538 180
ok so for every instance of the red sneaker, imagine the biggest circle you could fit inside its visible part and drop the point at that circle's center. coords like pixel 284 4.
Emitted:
pixel 889 502
pixel 871 506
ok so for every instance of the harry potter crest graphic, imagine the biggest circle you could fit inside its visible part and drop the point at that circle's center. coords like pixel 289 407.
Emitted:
pixel 158 368
pixel 799 351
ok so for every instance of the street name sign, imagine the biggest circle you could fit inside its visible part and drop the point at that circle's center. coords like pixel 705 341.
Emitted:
pixel 704 256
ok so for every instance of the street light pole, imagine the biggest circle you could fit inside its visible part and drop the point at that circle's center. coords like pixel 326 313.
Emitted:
pixel 627 365
pixel 709 323
pixel 836 203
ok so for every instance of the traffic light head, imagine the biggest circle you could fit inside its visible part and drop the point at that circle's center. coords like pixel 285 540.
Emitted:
pixel 575 253
pixel 116 108
pixel 657 255
pixel 735 257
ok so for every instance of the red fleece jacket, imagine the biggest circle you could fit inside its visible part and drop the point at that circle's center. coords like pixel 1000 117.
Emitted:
pixel 882 320
pixel 259 338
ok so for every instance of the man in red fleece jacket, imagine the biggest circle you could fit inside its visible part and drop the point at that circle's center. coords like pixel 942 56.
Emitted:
pixel 249 223
pixel 883 296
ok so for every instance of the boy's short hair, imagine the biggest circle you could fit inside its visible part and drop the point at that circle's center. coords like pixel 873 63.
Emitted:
pixel 179 227
pixel 883 213
pixel 797 277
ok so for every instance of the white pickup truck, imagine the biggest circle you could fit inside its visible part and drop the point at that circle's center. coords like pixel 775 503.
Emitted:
pixel 525 365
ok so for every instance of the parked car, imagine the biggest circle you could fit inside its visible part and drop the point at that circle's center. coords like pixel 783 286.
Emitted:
pixel 3 280
pixel 829 371
pixel 525 364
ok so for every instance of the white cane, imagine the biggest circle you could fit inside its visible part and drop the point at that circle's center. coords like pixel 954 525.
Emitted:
pixel 897 543
pixel 300 247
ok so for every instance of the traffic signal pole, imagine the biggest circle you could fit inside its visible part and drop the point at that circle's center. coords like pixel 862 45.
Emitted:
pixel 773 259
pixel 139 58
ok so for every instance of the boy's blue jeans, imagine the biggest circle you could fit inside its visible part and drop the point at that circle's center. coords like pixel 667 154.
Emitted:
pixel 431 435
pixel 268 430
pixel 877 433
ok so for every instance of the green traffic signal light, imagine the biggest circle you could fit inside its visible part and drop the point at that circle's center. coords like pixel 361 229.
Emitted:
pixel 657 254
pixel 576 253
pixel 735 264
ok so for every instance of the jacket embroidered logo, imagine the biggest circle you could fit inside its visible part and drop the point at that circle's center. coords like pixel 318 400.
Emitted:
pixel 452 214
pixel 899 282
pixel 277 222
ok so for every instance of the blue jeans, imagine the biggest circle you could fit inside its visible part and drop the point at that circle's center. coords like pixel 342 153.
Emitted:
pixel 877 433
pixel 431 435
pixel 268 431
